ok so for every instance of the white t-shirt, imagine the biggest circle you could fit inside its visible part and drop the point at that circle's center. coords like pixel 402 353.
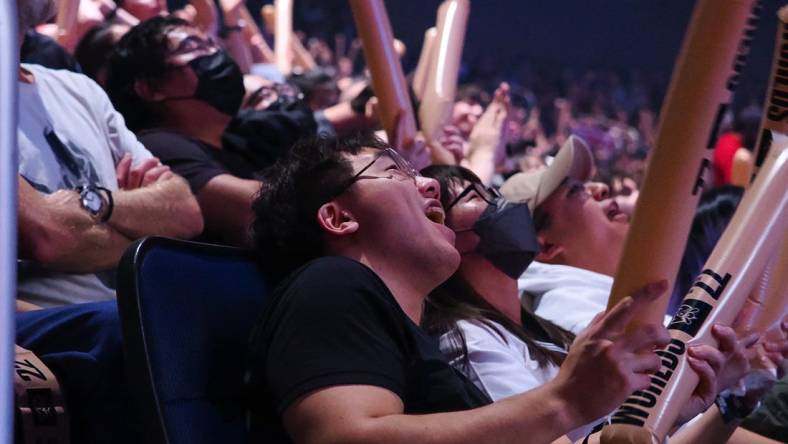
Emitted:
pixel 69 135
pixel 567 296
pixel 500 364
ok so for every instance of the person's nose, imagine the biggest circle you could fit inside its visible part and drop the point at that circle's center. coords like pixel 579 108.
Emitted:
pixel 598 190
pixel 428 187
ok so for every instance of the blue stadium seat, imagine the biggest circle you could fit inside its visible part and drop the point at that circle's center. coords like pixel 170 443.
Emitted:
pixel 186 311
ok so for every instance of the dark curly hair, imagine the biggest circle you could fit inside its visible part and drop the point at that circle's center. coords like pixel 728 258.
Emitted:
pixel 285 232
pixel 139 55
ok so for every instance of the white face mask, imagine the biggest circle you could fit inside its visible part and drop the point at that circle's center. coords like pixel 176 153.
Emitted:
pixel 34 12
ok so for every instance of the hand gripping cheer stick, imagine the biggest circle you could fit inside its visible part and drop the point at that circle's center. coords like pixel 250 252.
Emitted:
pixel 752 236
pixel 438 93
pixel 388 82
pixel 702 84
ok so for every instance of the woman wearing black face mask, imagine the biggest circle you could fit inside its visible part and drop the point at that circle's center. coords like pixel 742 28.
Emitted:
pixel 485 332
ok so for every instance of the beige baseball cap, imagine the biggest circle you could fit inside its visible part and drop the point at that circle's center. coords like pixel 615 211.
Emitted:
pixel 573 160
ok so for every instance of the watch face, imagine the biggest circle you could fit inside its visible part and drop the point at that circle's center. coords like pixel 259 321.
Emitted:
pixel 91 201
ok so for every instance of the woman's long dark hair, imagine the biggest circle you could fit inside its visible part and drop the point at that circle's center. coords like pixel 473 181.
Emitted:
pixel 457 300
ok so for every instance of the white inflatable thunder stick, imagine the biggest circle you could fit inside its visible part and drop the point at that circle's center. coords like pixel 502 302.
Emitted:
pixel 751 238
pixel 703 80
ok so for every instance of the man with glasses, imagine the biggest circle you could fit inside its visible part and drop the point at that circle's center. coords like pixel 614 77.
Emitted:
pixel 338 356
pixel 183 94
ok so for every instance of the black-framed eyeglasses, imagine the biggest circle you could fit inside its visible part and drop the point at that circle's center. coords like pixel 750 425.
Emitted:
pixel 193 43
pixel 402 170
pixel 488 194
pixel 282 94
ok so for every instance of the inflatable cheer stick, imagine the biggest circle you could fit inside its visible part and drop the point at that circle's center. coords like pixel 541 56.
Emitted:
pixel 268 13
pixel 283 34
pixel 701 87
pixel 422 68
pixel 767 303
pixel 741 170
pixel 301 55
pixel 775 115
pixel 718 294
pixel 388 82
pixel 438 94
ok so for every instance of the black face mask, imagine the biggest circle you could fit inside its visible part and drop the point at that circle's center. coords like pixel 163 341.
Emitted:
pixel 220 82
pixel 506 236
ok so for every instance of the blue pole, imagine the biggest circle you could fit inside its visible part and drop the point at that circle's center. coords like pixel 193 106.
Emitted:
pixel 9 71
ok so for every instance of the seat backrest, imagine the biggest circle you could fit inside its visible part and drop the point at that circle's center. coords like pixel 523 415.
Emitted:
pixel 187 310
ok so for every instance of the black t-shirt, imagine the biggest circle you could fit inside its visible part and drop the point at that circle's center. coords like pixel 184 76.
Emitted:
pixel 197 161
pixel 252 141
pixel 39 49
pixel 334 322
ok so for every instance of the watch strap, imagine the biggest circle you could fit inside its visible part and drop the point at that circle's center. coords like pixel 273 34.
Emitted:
pixel 110 204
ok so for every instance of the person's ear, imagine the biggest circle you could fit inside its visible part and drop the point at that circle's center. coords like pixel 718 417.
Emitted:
pixel 336 220
pixel 548 251
pixel 147 92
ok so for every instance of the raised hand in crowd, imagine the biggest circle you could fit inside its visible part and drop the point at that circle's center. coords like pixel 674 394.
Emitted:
pixel 451 140
pixel 233 33
pixel 206 16
pixel 489 136
pixel 69 32
pixel 418 153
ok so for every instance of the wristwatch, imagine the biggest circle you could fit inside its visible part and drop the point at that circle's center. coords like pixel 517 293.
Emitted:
pixel 95 203
pixel 732 407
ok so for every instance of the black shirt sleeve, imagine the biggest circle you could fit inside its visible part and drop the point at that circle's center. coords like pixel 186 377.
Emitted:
pixel 39 49
pixel 186 157
pixel 335 323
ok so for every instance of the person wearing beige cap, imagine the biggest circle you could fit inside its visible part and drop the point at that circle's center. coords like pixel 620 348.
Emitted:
pixel 580 238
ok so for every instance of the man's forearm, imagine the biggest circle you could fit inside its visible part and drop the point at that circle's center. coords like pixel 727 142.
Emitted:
pixel 538 416
pixel 55 231
pixel 165 208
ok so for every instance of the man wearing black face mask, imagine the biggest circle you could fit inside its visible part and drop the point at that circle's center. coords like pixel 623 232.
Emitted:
pixel 184 93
